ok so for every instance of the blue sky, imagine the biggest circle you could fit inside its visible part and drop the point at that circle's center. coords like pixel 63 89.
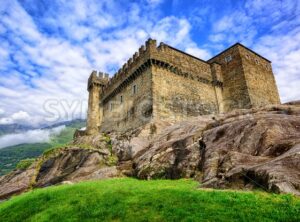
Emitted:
pixel 49 48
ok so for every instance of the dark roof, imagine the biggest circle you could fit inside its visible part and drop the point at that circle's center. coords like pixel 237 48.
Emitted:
pixel 185 53
pixel 243 47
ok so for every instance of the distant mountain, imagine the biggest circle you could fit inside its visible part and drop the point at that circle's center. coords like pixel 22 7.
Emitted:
pixel 19 128
pixel 10 156
pixel 76 123
pixel 13 128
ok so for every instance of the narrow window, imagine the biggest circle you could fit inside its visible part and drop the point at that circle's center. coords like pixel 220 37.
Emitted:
pixel 121 99
pixel 228 58
pixel 248 57
pixel 111 106
pixel 256 61
pixel 134 89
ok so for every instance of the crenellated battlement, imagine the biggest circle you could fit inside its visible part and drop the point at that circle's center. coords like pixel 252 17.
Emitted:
pixel 194 68
pixel 131 65
pixel 99 78
pixel 162 47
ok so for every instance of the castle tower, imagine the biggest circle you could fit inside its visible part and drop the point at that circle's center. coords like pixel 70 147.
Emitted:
pixel 96 83
pixel 248 80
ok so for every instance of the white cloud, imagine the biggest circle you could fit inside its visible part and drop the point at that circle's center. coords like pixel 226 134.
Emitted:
pixel 154 2
pixel 173 30
pixel 217 37
pixel 2 111
pixel 280 44
pixel 176 32
pixel 285 63
pixel 19 117
pixel 200 53
pixel 31 136
pixel 272 11
pixel 237 26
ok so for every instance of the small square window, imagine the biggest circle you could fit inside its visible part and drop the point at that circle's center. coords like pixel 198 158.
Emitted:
pixel 248 57
pixel 134 89
pixel 256 61
pixel 228 58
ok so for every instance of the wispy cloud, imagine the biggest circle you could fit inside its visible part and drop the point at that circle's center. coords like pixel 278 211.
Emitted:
pixel 285 59
pixel 31 136
pixel 1 112
pixel 272 29
pixel 20 116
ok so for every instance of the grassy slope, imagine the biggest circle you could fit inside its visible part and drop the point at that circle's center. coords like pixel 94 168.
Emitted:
pixel 159 200
pixel 10 156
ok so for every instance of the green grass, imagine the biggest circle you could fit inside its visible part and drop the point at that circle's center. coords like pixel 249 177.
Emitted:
pixel 158 200
pixel 65 136
pixel 11 156
pixel 24 164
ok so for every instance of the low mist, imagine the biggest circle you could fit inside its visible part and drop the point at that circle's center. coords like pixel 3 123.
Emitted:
pixel 31 136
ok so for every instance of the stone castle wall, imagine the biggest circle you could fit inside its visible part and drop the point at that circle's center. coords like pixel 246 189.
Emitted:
pixel 235 90
pixel 131 107
pixel 135 108
pixel 153 70
pixel 133 67
pixel 188 91
pixel 260 79
pixel 96 83
pixel 185 62
pixel 176 97
pixel 248 80
pixel 165 83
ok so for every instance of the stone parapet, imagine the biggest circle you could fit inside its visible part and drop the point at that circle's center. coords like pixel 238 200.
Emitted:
pixel 165 56
pixel 130 66
pixel 100 78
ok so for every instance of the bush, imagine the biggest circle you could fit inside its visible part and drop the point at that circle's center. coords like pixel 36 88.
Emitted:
pixel 51 151
pixel 24 164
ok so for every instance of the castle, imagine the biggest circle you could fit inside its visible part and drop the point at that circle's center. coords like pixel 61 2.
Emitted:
pixel 161 82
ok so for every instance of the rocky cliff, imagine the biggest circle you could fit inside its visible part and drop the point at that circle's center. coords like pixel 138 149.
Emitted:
pixel 244 149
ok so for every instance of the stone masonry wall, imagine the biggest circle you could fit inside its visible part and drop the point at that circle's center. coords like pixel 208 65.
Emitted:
pixel 95 86
pixel 216 71
pixel 260 79
pixel 185 93
pixel 235 91
pixel 93 116
pixel 248 80
pixel 133 65
pixel 173 85
pixel 185 62
pixel 177 98
pixel 183 88
pixel 134 110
